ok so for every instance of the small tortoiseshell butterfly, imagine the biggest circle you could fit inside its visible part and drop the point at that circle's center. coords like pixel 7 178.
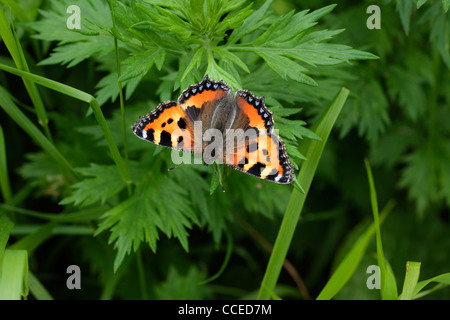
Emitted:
pixel 241 118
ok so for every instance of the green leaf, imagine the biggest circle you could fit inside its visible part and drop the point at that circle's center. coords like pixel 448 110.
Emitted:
pixel 406 86
pixel 289 40
pixel 391 146
pixel 74 53
pixel 404 9
pixel 226 55
pixel 214 71
pixel 41 171
pixel 180 287
pixel 420 175
pixel 233 19
pixel 159 204
pixel 167 21
pixel 446 5
pixel 252 23
pixel 216 177
pixel 108 88
pixel 140 64
pixel 101 183
pixel 368 111
pixel 285 68
pixel 195 61
pixel 440 33
pixel 75 46
pixel 348 265
pixel 421 3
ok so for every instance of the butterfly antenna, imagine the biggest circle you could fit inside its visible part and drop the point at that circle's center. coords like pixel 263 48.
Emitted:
pixel 218 177
pixel 176 167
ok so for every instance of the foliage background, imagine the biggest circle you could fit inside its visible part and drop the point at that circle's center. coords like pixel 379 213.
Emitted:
pixel 163 232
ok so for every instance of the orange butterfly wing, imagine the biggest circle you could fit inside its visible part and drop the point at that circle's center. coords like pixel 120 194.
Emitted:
pixel 166 126
pixel 261 153
pixel 172 124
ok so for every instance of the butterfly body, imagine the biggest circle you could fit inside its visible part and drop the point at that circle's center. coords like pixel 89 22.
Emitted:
pixel 236 129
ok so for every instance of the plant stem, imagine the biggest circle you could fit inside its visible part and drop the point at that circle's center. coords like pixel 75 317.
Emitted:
pixel 122 107
pixel 122 114
pixel 432 100
pixel 77 94
pixel 11 41
pixel 141 272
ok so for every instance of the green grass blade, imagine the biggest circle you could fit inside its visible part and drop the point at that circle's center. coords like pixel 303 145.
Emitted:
pixel 376 219
pixel 22 121
pixel 14 275
pixel 5 229
pixel 351 261
pixel 79 216
pixel 51 84
pixel 313 151
pixel 115 154
pixel 390 290
pixel 85 97
pixel 60 229
pixel 18 12
pixel 12 43
pixel 37 289
pixel 8 39
pixel 122 107
pixel 411 278
pixel 4 176
pixel 35 239
pixel 442 280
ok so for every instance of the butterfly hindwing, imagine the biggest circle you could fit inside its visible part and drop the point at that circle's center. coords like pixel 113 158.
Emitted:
pixel 262 155
pixel 260 152
pixel 253 110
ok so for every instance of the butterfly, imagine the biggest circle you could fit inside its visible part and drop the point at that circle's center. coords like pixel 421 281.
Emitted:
pixel 235 129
